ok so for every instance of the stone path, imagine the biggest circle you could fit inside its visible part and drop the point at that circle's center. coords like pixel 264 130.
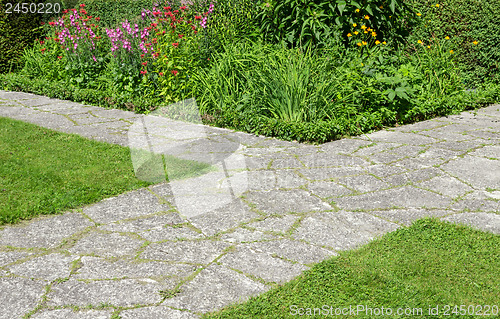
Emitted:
pixel 268 211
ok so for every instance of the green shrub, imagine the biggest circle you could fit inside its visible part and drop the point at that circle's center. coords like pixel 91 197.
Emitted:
pixel 113 12
pixel 19 30
pixel 304 22
pixel 464 21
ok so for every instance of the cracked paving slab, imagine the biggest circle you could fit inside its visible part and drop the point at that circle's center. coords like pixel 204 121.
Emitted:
pixel 291 205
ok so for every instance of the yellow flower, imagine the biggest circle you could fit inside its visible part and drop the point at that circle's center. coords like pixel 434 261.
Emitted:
pixel 367 17
pixel 419 14
pixel 359 43
pixel 357 10
pixel 369 29
pixel 366 31
pixel 428 47
pixel 362 64
pixel 451 51
pixel 384 42
pixel 354 25
pixel 390 17
pixel 374 34
pixel 349 35
pixel 419 41
pixel 356 32
pixel 447 37
pixel 363 27
pixel 365 43
pixel 437 5
pixel 475 42
pixel 377 42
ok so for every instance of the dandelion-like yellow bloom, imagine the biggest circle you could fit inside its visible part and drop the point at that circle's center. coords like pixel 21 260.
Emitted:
pixel 365 43
pixel 359 44
pixel 363 27
pixel 475 42
pixel 349 35
pixel 447 37
pixel 384 42
pixel 419 41
pixel 374 34
pixel 437 5
pixel 451 51
pixel 377 42
pixel 369 29
pixel 367 17
pixel 366 31
pixel 354 25
pixel 428 47
pixel 362 64
pixel 357 10
pixel 356 32
pixel 419 14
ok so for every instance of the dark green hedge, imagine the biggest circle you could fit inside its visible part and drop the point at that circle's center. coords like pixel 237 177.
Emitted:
pixel 464 21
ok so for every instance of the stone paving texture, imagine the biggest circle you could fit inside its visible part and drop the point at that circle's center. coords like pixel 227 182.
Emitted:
pixel 270 211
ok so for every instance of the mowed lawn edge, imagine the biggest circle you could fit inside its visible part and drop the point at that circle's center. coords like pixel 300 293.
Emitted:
pixel 43 171
pixel 427 265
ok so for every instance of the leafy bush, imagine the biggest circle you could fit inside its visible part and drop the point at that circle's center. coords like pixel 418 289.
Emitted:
pixel 473 24
pixel 304 22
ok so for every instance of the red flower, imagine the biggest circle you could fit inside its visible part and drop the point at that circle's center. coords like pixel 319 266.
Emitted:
pixel 183 8
pixel 65 11
pixel 82 11
pixel 180 36
pixel 142 55
pixel 52 23
pixel 42 23
pixel 167 8
pixel 174 72
pixel 59 57
pixel 163 32
pixel 144 72
pixel 42 42
pixel 161 73
pixel 145 63
pixel 154 40
pixel 43 49
pixel 197 17
pixel 175 44
pixel 97 19
pixel 176 11
pixel 195 31
pixel 154 24
pixel 57 39
pixel 47 38
pixel 82 5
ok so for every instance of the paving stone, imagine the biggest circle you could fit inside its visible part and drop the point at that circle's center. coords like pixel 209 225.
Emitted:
pixel 363 183
pixel 87 119
pixel 36 101
pixel 119 293
pixel 413 176
pixel 170 233
pixel 292 250
pixel 241 235
pixel 48 267
pixel 323 160
pixel 342 230
pixel 480 172
pixel 99 268
pixel 70 314
pixel 66 108
pixel 477 200
pixel 106 245
pixel 385 157
pixel 330 172
pixel 11 95
pixel 375 147
pixel 422 126
pixel 262 265
pixel 19 296
pixel 400 137
pixel 408 215
pixel 7 257
pixel 385 170
pixel 326 189
pixel 224 218
pixel 491 151
pixel 346 145
pixel 115 114
pixel 406 196
pixel 46 232
pixel 213 288
pixel 129 205
pixel 484 221
pixel 158 312
pixel 278 201
pixel 486 135
pixel 277 224
pixel 142 224
pixel 289 179
pixel 261 180
pixel 456 145
pixel 286 162
pixel 446 185
pixel 195 252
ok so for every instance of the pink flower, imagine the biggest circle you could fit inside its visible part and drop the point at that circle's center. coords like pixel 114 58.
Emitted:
pixel 144 72
pixel 82 5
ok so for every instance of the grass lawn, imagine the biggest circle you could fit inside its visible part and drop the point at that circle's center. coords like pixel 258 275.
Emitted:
pixel 429 264
pixel 46 172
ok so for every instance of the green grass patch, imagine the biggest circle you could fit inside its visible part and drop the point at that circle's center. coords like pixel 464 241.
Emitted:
pixel 431 263
pixel 47 172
